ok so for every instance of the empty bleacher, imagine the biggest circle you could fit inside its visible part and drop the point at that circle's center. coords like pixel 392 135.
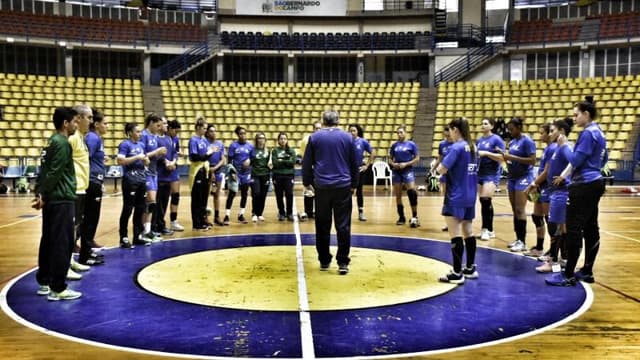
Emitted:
pixel 28 102
pixel 320 41
pixel 293 107
pixel 542 101
pixel 72 28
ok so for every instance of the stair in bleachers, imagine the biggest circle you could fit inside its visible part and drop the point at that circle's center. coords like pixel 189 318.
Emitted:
pixel 152 97
pixel 425 120
pixel 465 64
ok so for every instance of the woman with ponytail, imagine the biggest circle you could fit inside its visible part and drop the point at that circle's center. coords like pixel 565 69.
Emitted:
pixel 586 188
pixel 460 169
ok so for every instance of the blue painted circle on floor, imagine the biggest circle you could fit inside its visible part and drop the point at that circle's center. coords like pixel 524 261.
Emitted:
pixel 508 300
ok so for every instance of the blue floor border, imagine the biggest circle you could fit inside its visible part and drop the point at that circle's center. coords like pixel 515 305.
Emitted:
pixel 508 301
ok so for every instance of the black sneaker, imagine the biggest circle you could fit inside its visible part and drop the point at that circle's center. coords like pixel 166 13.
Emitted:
pixel 470 273
pixel 95 255
pixel 281 217
pixel 325 267
pixel 166 231
pixel 126 244
pixel 92 261
pixel 343 269
pixel 452 278
pixel 218 222
pixel 242 219
pixel 290 217
pixel 582 275
pixel 225 222
pixel 401 221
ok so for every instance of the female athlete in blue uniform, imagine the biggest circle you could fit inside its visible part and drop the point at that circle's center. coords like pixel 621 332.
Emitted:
pixel 403 155
pixel 541 205
pixel 587 187
pixel 362 147
pixel 460 167
pixel 520 160
pixel 490 147
pixel 239 156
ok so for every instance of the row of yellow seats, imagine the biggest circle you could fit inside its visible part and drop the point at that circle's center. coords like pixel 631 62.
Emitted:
pixel 220 97
pixel 80 79
pixel 288 84
pixel 268 120
pixel 283 89
pixel 541 82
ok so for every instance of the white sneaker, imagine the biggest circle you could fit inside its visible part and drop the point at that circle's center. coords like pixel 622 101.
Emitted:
pixel 484 235
pixel 261 218
pixel 175 226
pixel 72 275
pixel 66 294
pixel 254 218
pixel 43 290
pixel 513 244
pixel 76 266
pixel 519 246
pixel 492 234
pixel 414 223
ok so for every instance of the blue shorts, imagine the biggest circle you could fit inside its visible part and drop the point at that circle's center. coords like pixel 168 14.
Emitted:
pixel 483 179
pixel 558 206
pixel 460 213
pixel 403 177
pixel 544 196
pixel 244 178
pixel 218 177
pixel 152 183
pixel 519 184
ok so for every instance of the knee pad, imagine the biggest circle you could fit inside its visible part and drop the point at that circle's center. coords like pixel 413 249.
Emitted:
pixel 175 198
pixel 552 229
pixel 413 197
pixel 538 220
pixel 151 207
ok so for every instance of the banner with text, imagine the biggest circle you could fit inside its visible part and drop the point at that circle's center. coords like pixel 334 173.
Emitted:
pixel 292 7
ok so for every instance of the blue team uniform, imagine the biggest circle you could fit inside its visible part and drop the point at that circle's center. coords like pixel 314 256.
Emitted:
pixel 489 170
pixel 589 155
pixel 165 175
pixel 238 153
pixel 96 157
pixel 546 157
pixel 150 143
pixel 134 172
pixel 443 149
pixel 462 179
pixel 403 151
pixel 214 159
pixel 520 175
pixel 558 195
pixel 362 146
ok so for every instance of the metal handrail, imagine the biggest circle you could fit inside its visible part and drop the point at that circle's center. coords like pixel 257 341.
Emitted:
pixel 466 63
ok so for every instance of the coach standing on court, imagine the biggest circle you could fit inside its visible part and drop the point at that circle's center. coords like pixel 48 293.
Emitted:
pixel 330 169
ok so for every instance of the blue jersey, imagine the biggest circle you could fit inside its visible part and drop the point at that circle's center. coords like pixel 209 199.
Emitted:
pixel 150 143
pixel 239 153
pixel 488 166
pixel 129 149
pixel 96 157
pixel 546 157
pixel 164 174
pixel 589 155
pixel 403 151
pixel 330 160
pixel 462 175
pixel 443 148
pixel 522 147
pixel 361 145
pixel 198 145
pixel 217 155
pixel 558 161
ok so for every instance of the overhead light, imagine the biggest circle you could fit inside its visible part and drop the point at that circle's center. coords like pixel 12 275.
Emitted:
pixel 10 39
pixel 447 44
pixel 62 43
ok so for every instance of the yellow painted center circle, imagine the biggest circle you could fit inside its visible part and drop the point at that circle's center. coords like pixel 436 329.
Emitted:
pixel 266 278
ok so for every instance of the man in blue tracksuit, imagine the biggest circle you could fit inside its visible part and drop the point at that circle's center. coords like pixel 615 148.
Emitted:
pixel 330 169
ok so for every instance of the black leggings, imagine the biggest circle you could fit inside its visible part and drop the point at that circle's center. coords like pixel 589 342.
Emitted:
pixel 283 186
pixel 359 195
pixel 244 193
pixel 259 189
pixel 133 199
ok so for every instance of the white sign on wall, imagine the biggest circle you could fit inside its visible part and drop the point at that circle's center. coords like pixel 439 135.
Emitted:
pixel 292 7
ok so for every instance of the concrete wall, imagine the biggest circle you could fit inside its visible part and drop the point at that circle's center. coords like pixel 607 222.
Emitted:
pixel 494 70
pixel 301 25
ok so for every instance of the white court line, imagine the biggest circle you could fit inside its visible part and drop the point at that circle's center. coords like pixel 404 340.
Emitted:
pixel 620 236
pixel 306 334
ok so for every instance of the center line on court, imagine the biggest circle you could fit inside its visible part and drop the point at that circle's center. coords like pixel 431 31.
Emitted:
pixel 620 236
pixel 306 334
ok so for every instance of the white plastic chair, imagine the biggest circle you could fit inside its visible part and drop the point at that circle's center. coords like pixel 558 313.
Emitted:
pixel 381 171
